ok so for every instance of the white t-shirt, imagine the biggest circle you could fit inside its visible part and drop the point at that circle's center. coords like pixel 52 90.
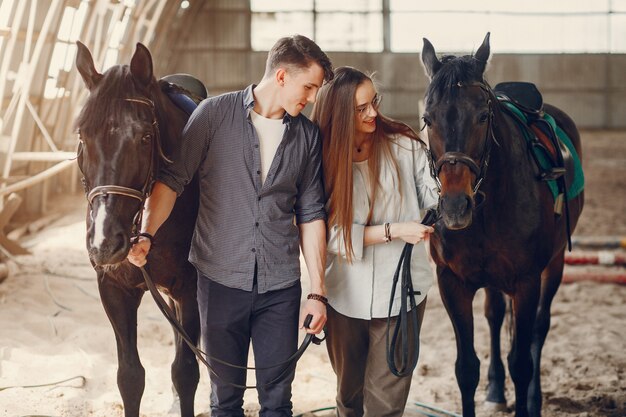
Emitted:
pixel 362 289
pixel 270 133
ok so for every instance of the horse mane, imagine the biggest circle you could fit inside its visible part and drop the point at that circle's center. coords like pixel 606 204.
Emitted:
pixel 454 70
pixel 106 100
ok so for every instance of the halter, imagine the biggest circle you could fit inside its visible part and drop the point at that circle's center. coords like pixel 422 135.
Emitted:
pixel 452 158
pixel 141 195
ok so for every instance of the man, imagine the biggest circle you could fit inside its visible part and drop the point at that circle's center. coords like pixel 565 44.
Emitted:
pixel 259 164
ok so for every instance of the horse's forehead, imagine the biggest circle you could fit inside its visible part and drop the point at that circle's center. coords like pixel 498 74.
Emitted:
pixel 102 115
pixel 458 96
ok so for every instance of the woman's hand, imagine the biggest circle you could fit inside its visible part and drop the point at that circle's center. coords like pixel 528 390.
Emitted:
pixel 411 232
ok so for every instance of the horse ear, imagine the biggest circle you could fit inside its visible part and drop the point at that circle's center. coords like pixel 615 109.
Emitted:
pixel 141 65
pixel 482 55
pixel 86 68
pixel 429 59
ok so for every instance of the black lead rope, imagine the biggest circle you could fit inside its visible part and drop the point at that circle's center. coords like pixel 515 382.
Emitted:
pixel 408 311
pixel 407 296
pixel 202 356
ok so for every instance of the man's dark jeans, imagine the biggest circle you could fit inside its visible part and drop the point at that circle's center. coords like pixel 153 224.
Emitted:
pixel 231 318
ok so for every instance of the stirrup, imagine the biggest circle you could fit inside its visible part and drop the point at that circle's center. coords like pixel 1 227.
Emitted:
pixel 552 174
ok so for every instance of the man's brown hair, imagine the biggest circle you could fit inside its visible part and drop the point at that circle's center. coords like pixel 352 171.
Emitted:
pixel 300 52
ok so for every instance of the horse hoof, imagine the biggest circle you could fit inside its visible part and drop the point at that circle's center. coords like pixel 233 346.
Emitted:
pixel 495 407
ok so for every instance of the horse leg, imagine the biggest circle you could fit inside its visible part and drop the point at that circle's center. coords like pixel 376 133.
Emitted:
pixel 525 302
pixel 457 299
pixel 121 307
pixel 495 308
pixel 551 279
pixel 185 373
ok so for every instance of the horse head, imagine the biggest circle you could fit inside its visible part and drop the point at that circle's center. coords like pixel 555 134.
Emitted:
pixel 118 150
pixel 459 110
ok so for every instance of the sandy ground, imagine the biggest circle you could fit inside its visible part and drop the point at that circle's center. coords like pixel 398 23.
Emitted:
pixel 53 327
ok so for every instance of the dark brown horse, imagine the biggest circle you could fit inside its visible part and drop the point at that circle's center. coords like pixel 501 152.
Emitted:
pixel 498 229
pixel 126 127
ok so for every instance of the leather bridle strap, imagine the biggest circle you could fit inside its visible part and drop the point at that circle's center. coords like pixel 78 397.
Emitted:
pixel 115 189
pixel 452 158
pixel 141 195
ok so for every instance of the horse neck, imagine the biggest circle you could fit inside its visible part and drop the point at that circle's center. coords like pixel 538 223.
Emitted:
pixel 170 121
pixel 508 166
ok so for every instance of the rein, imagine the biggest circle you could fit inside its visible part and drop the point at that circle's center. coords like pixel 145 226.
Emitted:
pixel 407 294
pixel 203 356
pixel 408 309
pixel 452 158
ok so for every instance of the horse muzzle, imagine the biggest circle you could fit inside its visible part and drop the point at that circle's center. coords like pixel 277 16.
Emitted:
pixel 108 241
pixel 456 210
pixel 111 252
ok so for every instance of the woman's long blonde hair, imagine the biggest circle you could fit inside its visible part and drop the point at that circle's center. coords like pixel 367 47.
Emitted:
pixel 335 113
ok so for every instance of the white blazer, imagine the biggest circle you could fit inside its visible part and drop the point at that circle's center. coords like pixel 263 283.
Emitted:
pixel 362 289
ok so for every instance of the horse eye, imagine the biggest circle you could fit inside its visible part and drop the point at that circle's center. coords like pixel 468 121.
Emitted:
pixel 146 138
pixel 483 117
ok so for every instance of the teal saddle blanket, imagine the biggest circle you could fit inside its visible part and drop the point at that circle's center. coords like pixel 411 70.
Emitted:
pixel 577 184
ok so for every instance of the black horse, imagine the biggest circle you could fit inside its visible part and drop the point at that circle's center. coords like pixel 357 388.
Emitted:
pixel 498 229
pixel 126 128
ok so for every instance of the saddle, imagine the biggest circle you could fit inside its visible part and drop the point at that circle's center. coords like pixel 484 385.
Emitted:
pixel 185 91
pixel 553 158
pixel 550 147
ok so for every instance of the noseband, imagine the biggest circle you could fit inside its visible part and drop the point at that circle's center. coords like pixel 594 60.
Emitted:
pixel 141 195
pixel 452 158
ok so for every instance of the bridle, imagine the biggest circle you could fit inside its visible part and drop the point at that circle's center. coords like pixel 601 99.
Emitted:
pixel 141 194
pixel 478 169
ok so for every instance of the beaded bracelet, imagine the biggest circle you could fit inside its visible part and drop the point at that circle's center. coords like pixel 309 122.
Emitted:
pixel 387 237
pixel 317 297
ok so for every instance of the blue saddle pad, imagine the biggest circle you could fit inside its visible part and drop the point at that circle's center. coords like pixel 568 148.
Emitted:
pixel 182 101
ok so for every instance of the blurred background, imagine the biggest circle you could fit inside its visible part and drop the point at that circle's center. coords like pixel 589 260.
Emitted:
pixel 574 50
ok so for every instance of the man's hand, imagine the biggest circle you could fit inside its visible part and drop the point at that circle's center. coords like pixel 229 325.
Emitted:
pixel 139 251
pixel 318 310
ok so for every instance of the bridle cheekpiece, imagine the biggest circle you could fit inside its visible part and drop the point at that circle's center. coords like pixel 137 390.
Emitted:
pixel 478 169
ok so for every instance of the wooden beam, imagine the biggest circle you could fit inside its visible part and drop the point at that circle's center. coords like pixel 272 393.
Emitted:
pixel 10 207
pixel 44 156
pixel 37 178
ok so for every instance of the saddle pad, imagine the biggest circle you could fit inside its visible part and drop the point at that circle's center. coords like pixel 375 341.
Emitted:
pixel 183 102
pixel 190 83
pixel 545 160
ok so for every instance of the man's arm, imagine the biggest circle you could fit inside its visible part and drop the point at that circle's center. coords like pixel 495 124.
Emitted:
pixel 158 208
pixel 313 244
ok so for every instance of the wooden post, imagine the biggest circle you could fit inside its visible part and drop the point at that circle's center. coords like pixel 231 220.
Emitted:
pixel 10 207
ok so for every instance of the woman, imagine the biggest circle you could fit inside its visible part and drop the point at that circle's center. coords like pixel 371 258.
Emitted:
pixel 377 179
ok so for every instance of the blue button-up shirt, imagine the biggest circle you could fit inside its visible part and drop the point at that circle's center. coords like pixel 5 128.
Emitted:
pixel 241 220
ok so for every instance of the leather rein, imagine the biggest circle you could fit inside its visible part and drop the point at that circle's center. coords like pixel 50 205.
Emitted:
pixel 203 356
